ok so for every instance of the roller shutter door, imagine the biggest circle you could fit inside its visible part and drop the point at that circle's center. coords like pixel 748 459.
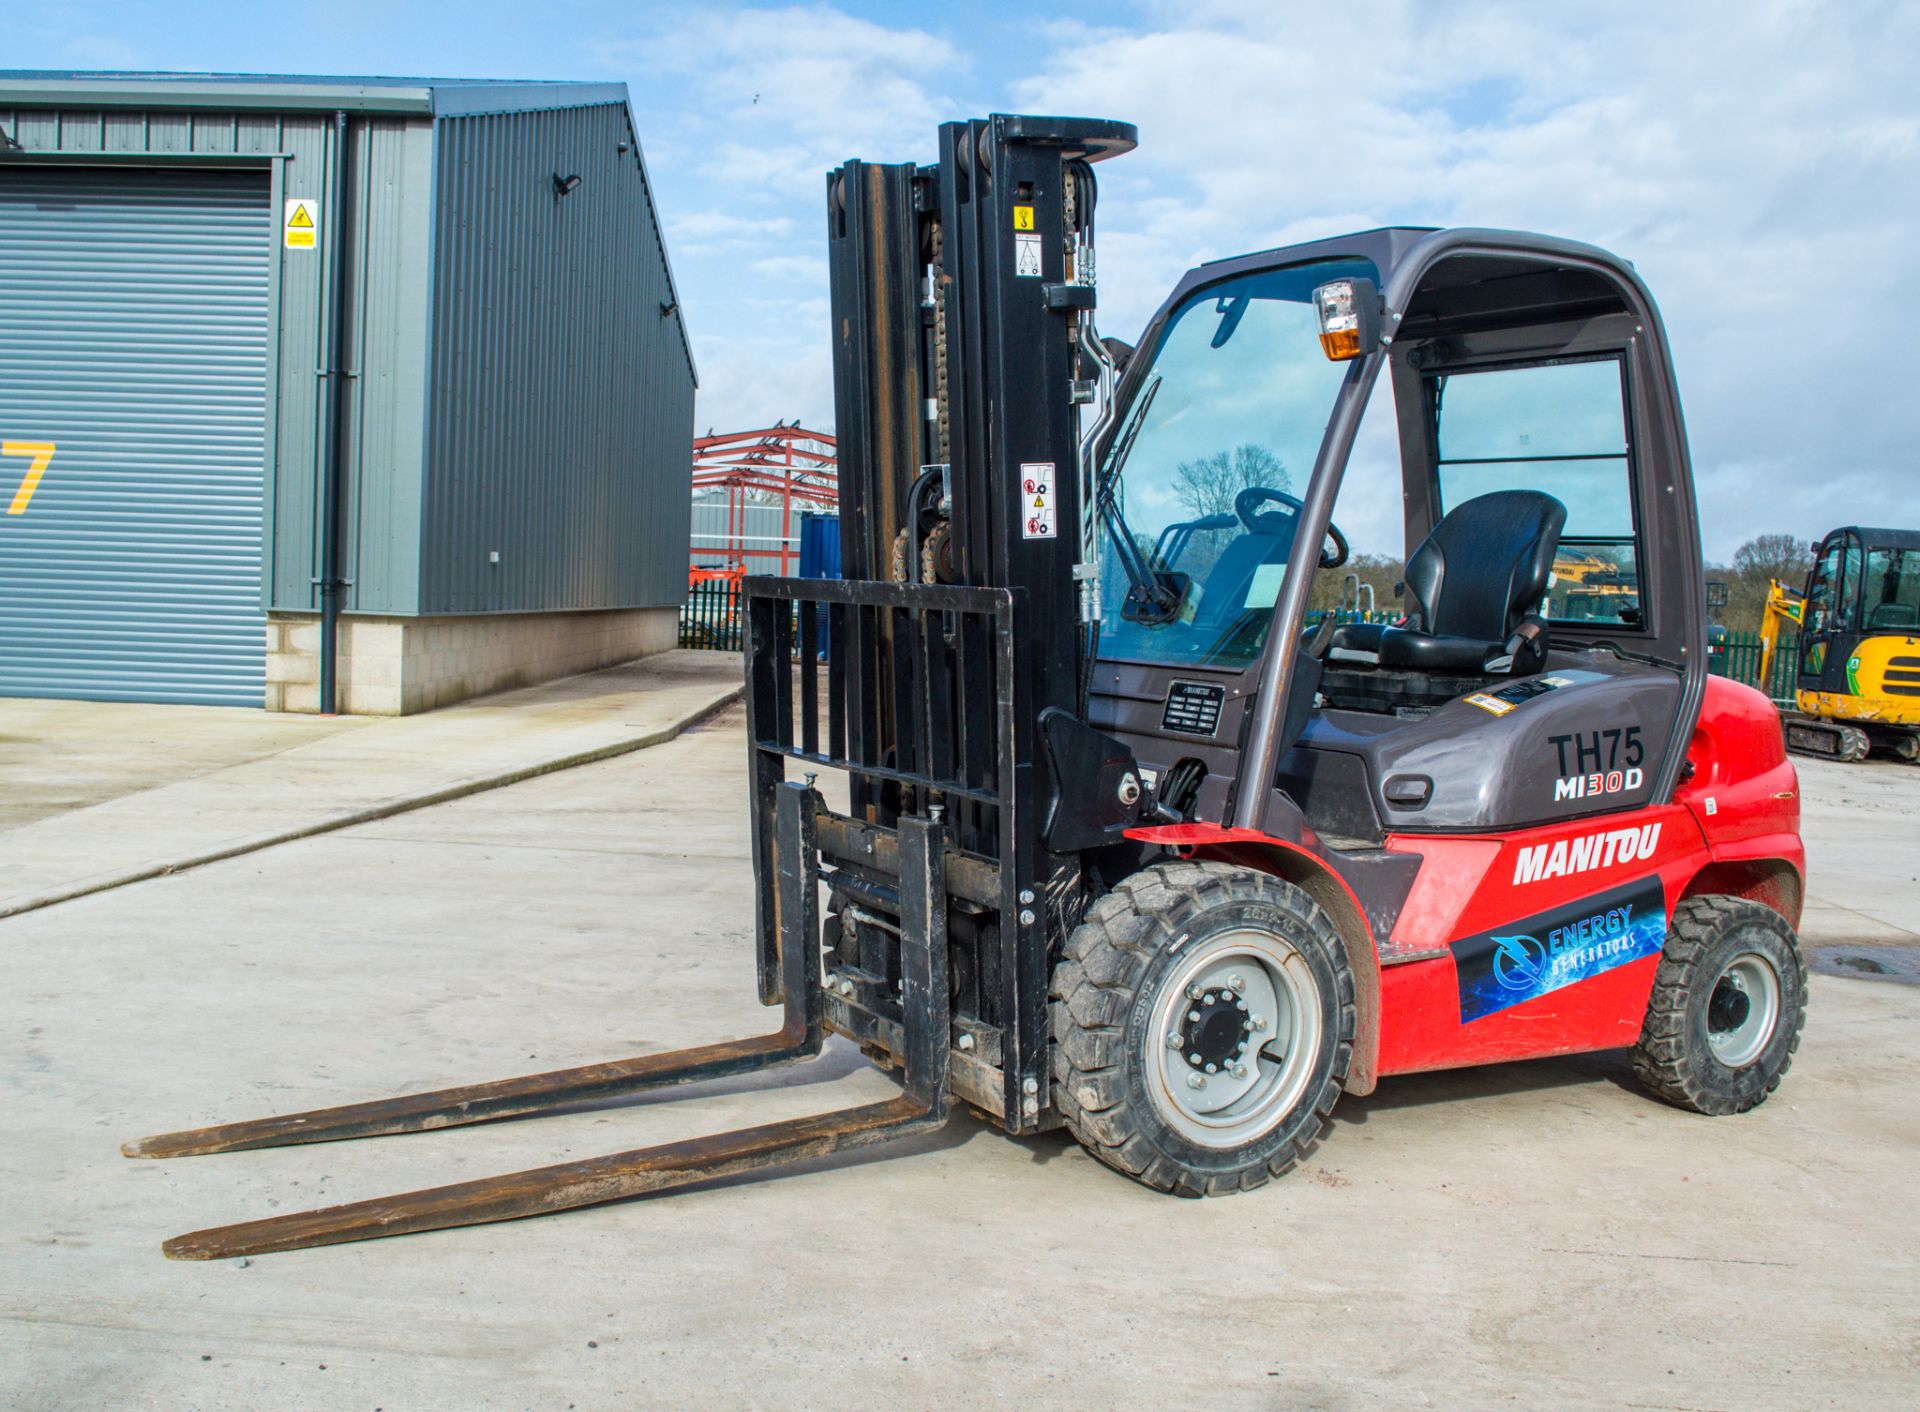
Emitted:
pixel 134 339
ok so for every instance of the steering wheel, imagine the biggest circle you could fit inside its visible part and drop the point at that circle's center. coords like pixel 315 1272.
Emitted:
pixel 1248 501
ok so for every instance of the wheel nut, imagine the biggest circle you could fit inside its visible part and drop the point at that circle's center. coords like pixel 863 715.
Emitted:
pixel 1193 1059
pixel 1173 1041
pixel 1196 1081
pixel 1236 983
pixel 1213 1068
pixel 1193 1015
pixel 1259 1022
pixel 1239 1071
pixel 1193 992
pixel 1207 999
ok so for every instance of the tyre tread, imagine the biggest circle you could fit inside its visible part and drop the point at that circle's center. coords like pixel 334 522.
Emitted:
pixel 1662 1058
pixel 1103 964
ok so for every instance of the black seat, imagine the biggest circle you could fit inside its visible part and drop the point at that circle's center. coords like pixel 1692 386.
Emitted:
pixel 1474 590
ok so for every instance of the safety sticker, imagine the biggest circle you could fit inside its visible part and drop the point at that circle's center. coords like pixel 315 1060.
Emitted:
pixel 1518 694
pixel 1026 256
pixel 301 228
pixel 1538 955
pixel 1036 490
pixel 1023 218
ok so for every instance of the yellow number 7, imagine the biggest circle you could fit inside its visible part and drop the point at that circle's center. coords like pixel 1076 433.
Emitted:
pixel 42 453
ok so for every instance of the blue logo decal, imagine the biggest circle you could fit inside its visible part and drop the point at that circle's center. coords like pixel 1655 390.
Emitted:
pixel 1519 962
pixel 1538 955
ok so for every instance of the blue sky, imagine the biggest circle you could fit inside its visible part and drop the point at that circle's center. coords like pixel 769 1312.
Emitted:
pixel 1760 162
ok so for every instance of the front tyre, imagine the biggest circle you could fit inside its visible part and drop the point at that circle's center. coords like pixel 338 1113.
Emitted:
pixel 1203 1022
pixel 1729 999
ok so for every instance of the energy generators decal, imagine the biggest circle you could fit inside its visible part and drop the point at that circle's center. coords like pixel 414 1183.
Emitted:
pixel 1538 955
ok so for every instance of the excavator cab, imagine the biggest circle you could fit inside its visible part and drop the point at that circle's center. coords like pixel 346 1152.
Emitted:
pixel 1113 836
pixel 1857 668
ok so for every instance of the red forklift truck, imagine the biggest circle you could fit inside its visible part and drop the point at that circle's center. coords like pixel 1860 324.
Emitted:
pixel 1133 845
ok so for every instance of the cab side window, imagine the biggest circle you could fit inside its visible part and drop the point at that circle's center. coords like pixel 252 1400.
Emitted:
pixel 1892 599
pixel 1823 590
pixel 1560 428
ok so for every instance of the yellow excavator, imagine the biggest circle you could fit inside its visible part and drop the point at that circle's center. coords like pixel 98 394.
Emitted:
pixel 1857 679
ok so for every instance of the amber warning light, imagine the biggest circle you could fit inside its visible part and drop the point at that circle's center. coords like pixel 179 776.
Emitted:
pixel 1349 317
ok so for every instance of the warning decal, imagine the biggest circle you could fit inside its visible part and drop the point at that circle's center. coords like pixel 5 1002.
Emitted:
pixel 1023 218
pixel 1026 256
pixel 301 228
pixel 1037 505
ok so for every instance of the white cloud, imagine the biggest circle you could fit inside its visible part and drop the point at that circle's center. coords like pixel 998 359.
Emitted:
pixel 707 231
pixel 755 381
pixel 806 269
pixel 791 93
pixel 1754 160
pixel 1760 162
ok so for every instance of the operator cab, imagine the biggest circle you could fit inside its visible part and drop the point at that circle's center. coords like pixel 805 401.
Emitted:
pixel 1547 640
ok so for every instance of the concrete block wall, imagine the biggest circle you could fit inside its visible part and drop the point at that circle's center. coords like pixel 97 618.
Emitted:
pixel 398 666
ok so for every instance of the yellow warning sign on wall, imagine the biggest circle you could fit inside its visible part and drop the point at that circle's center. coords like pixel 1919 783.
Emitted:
pixel 301 229
pixel 1023 218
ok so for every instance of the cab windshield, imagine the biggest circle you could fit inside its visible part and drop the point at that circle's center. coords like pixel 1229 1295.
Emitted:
pixel 1892 589
pixel 1208 469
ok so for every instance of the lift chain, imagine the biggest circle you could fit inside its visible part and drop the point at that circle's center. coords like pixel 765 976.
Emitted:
pixel 944 456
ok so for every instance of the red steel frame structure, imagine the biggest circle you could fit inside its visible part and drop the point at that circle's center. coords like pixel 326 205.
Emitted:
pixel 788 462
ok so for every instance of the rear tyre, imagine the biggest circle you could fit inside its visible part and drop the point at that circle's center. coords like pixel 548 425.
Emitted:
pixel 1203 1022
pixel 1729 999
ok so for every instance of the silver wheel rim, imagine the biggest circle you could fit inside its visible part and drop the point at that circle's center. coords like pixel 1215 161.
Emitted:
pixel 1742 1009
pixel 1229 1109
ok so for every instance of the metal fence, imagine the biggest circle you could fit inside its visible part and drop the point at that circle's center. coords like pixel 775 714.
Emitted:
pixel 711 617
pixel 1737 655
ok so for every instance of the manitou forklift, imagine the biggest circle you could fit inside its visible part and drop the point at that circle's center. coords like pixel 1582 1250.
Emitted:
pixel 1857 673
pixel 1130 845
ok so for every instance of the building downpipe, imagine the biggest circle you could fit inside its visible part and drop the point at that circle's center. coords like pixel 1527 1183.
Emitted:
pixel 333 419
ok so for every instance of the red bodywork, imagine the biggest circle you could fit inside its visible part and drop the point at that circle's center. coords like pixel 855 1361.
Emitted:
pixel 1733 827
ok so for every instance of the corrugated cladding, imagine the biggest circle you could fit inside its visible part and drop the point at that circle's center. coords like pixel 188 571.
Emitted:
pixel 516 387
pixel 759 528
pixel 135 340
pixel 560 398
pixel 292 415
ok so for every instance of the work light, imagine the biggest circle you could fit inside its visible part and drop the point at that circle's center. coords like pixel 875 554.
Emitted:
pixel 1349 311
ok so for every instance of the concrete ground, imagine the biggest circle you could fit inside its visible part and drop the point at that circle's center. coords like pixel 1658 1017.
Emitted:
pixel 190 796
pixel 57 756
pixel 1864 883
pixel 1525 1235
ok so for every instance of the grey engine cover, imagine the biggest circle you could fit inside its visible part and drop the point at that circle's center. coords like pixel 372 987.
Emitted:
pixel 1569 742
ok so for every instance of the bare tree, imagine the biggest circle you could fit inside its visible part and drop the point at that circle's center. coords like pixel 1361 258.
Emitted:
pixel 1209 485
pixel 1760 560
pixel 1772 556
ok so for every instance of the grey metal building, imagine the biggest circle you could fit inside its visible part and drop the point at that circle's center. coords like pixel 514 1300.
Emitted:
pixel 416 341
